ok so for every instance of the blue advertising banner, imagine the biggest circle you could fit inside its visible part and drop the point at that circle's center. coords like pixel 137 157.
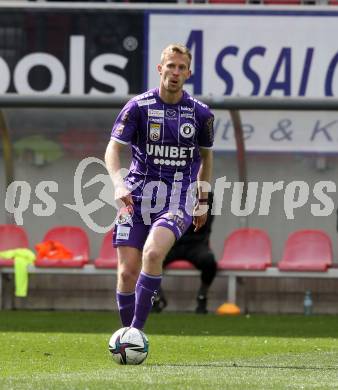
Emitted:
pixel 252 53
pixel 258 52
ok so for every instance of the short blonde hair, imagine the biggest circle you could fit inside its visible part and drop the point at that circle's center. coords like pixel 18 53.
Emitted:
pixel 176 48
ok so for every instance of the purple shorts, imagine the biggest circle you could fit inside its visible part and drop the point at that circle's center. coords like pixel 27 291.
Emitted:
pixel 131 230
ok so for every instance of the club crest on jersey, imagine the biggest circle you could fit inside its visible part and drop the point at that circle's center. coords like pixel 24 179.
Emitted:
pixel 119 129
pixel 154 131
pixel 187 130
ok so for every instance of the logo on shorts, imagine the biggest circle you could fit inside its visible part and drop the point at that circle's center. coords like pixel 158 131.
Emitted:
pixel 180 214
pixel 125 215
pixel 187 130
pixel 176 220
pixel 169 215
pixel 154 131
pixel 122 232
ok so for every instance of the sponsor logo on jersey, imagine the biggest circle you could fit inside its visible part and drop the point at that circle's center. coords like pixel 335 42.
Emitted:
pixel 156 113
pixel 154 131
pixel 198 102
pixel 119 129
pixel 125 117
pixel 172 163
pixel 187 115
pixel 167 151
pixel 156 120
pixel 187 130
pixel 146 102
pixel 186 108
pixel 144 96
pixel 170 113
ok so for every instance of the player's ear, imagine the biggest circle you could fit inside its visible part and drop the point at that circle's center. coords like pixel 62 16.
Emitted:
pixel 189 74
pixel 159 68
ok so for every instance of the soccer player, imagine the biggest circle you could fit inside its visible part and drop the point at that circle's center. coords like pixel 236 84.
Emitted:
pixel 195 248
pixel 171 136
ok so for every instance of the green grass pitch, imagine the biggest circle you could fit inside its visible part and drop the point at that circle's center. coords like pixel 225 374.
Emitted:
pixel 68 350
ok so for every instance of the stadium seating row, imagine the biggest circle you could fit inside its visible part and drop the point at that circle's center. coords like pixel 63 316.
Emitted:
pixel 244 249
pixel 247 253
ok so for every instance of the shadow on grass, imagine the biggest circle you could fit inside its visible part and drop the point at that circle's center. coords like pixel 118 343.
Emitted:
pixel 171 324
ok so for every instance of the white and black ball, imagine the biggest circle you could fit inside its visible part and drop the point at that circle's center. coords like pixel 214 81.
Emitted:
pixel 129 346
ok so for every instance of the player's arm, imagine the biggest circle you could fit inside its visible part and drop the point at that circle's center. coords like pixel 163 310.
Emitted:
pixel 205 172
pixel 204 175
pixel 122 133
pixel 113 165
pixel 205 141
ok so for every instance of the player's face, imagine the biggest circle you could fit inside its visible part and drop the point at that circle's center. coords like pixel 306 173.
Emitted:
pixel 174 71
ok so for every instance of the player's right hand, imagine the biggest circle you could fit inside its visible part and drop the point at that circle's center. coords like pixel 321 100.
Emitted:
pixel 123 197
pixel 200 216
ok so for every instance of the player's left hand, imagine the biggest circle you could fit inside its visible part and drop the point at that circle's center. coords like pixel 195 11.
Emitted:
pixel 200 216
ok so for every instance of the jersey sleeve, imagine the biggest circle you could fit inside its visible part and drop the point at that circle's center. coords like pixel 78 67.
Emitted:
pixel 206 134
pixel 125 125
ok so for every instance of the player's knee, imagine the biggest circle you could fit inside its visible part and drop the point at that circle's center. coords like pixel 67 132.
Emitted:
pixel 128 276
pixel 152 256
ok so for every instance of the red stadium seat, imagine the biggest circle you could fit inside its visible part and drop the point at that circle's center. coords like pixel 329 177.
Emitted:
pixel 307 250
pixel 227 1
pixel 282 2
pixel 180 264
pixel 73 238
pixel 246 249
pixel 108 255
pixel 12 237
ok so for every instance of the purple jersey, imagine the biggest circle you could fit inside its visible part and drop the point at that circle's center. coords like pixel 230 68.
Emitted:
pixel 165 138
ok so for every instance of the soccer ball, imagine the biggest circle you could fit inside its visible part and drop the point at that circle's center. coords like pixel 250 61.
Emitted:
pixel 129 346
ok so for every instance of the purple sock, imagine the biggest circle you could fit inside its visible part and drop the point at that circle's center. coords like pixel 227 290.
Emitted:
pixel 126 306
pixel 145 289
